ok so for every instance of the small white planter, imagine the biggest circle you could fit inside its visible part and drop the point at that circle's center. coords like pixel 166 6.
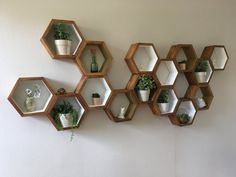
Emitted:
pixel 143 95
pixel 97 101
pixel 182 66
pixel 201 102
pixel 201 76
pixel 164 107
pixel 63 47
pixel 66 120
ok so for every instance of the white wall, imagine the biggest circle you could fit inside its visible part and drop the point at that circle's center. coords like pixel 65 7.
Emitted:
pixel 145 147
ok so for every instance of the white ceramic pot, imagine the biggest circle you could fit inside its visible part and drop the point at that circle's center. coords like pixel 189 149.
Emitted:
pixel 97 101
pixel 164 107
pixel 66 120
pixel 201 102
pixel 63 47
pixel 201 76
pixel 182 66
pixel 143 95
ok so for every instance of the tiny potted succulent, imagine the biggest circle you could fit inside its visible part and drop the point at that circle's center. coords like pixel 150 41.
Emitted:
pixel 201 71
pixel 183 118
pixel 163 101
pixel 65 115
pixel 96 98
pixel 62 39
pixel 31 94
pixel 144 86
pixel 94 65
pixel 183 64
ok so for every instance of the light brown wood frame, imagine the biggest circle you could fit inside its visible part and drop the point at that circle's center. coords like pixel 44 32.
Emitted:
pixel 173 117
pixel 154 106
pixel 207 95
pixel 131 108
pixel 189 53
pixel 10 97
pixel 52 104
pixel 191 77
pixel 134 80
pixel 81 85
pixel 208 51
pixel 129 59
pixel 104 50
pixel 49 48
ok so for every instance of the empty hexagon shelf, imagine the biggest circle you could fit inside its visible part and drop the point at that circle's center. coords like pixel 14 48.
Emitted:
pixel 184 55
pixel 94 50
pixel 181 85
pixel 94 92
pixel 66 111
pixel 185 114
pixel 121 105
pixel 202 74
pixel 142 57
pixel 201 95
pixel 31 95
pixel 167 72
pixel 133 82
pixel 164 102
pixel 68 29
pixel 218 56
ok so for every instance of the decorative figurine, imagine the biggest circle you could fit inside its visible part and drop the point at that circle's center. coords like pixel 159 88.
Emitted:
pixel 121 114
pixel 61 91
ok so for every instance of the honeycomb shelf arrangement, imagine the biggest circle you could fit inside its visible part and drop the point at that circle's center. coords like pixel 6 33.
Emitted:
pixel 177 86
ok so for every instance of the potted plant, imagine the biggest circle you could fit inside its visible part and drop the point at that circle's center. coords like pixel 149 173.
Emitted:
pixel 62 39
pixel 183 118
pixel 183 64
pixel 96 98
pixel 144 86
pixel 201 102
pixel 163 101
pixel 65 115
pixel 201 71
pixel 94 65
pixel 31 94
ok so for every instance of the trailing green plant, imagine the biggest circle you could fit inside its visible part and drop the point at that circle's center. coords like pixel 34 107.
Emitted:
pixel 163 97
pixel 183 118
pixel 64 108
pixel 95 95
pixel 61 33
pixel 202 66
pixel 145 83
pixel 182 62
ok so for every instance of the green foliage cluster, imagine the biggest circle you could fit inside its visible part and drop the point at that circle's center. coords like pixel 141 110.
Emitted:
pixel 64 108
pixel 183 118
pixel 145 83
pixel 163 97
pixel 61 33
pixel 202 66
pixel 95 95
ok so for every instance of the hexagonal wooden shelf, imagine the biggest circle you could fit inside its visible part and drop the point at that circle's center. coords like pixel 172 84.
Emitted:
pixel 34 89
pixel 103 58
pixel 192 76
pixel 142 57
pixel 121 98
pixel 48 38
pixel 164 109
pixel 202 96
pixel 217 55
pixel 167 72
pixel 73 99
pixel 185 106
pixel 89 85
pixel 181 85
pixel 131 85
pixel 182 52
